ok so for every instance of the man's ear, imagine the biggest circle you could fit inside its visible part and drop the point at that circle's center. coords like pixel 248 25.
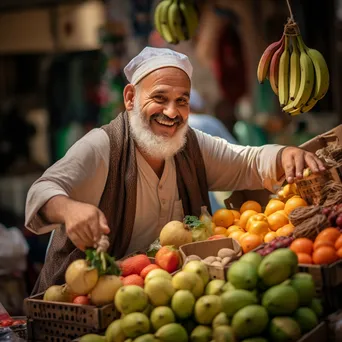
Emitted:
pixel 128 95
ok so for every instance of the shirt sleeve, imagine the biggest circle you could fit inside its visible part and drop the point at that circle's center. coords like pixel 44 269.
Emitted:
pixel 71 176
pixel 232 167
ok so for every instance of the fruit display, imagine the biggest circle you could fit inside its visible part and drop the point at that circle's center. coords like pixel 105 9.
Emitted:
pixel 176 20
pixel 93 280
pixel 324 250
pixel 252 225
pixel 298 74
pixel 264 299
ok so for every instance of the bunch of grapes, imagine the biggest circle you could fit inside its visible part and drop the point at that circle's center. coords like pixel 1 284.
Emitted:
pixel 334 215
pixel 279 242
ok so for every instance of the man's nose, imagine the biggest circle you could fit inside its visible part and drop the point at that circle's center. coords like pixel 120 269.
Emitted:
pixel 170 110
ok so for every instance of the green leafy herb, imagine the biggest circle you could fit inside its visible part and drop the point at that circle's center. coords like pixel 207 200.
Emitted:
pixel 192 221
pixel 103 262
pixel 153 248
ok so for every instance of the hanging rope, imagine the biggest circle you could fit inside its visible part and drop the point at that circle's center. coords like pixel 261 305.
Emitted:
pixel 290 10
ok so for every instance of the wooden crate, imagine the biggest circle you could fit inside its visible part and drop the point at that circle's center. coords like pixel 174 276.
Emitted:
pixel 65 321
pixel 318 334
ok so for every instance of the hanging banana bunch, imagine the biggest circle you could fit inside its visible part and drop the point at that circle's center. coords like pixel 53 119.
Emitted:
pixel 298 75
pixel 176 20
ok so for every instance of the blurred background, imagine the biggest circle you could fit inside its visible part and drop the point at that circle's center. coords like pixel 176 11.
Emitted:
pixel 61 65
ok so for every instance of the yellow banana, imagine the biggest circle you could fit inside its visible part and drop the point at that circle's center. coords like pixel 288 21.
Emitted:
pixel 190 16
pixel 305 108
pixel 294 70
pixel 164 23
pixel 283 76
pixel 321 73
pixel 307 80
pixel 175 21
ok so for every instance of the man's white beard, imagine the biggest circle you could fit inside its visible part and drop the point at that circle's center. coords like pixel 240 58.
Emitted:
pixel 155 146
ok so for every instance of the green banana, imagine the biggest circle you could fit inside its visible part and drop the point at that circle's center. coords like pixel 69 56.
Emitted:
pixel 164 22
pixel 306 82
pixel 321 72
pixel 294 70
pixel 190 16
pixel 283 76
pixel 175 21
pixel 157 11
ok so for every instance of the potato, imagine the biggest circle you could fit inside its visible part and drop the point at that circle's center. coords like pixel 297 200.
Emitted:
pixel 218 259
pixel 216 263
pixel 225 252
pixel 226 261
pixel 209 260
pixel 193 257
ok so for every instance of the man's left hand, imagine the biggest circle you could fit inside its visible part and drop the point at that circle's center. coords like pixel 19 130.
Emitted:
pixel 294 160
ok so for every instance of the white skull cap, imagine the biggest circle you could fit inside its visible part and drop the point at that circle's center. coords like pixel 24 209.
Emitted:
pixel 151 59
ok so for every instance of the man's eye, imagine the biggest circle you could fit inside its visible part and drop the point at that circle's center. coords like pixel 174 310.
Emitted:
pixel 182 102
pixel 159 98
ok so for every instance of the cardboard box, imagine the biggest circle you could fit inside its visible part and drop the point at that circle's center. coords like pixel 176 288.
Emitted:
pixel 205 249
pixel 262 196
pixel 318 334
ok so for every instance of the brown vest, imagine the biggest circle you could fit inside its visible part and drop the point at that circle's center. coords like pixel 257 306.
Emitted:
pixel 118 201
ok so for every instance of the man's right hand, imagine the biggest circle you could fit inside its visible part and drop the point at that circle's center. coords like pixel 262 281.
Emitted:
pixel 84 224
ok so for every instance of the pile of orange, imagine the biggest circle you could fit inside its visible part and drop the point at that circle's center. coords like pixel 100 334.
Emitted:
pixel 251 226
pixel 326 249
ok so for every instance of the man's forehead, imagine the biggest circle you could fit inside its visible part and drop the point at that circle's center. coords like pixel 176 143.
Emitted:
pixel 167 77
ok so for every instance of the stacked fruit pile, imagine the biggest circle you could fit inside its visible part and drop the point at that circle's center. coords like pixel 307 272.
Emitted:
pixel 325 249
pixel 251 226
pixel 176 20
pixel 298 75
pixel 263 300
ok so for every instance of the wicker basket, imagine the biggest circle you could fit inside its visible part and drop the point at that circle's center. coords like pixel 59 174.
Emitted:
pixel 53 321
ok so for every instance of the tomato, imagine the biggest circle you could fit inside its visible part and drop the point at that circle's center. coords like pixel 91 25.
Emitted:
pixel 84 300
pixel 215 237
pixel 168 259
pixel 6 322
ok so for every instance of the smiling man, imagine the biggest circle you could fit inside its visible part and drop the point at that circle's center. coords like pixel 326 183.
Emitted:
pixel 144 169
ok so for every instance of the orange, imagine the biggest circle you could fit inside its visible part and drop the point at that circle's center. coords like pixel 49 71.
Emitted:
pixel 324 255
pixel 294 202
pixel 236 235
pixel 277 220
pixel 339 252
pixel 243 236
pixel 282 212
pixel 329 234
pixel 251 205
pixel 256 218
pixel 133 279
pixel 250 242
pixel 338 243
pixel 269 237
pixel 233 228
pixel 223 218
pixel 236 222
pixel 220 230
pixel 320 242
pixel 273 206
pixel 302 245
pixel 147 270
pixel 286 230
pixel 236 214
pixel 304 258
pixel 245 216
pixel 259 228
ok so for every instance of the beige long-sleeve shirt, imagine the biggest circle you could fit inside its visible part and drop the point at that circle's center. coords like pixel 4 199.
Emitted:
pixel 82 174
